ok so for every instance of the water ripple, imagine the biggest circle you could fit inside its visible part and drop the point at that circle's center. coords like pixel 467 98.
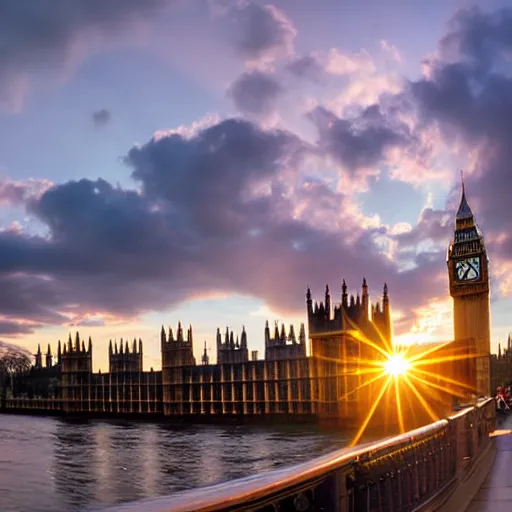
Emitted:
pixel 57 465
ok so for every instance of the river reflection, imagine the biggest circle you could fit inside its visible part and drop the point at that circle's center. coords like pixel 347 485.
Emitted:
pixel 49 464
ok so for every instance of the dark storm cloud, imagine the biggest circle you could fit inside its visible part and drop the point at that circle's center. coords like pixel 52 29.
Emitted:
pixel 469 95
pixel 37 34
pixel 205 180
pixel 361 141
pixel 101 117
pixel 255 92
pixel 261 31
pixel 478 37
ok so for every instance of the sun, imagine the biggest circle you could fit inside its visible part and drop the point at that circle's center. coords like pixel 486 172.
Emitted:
pixel 400 380
pixel 396 365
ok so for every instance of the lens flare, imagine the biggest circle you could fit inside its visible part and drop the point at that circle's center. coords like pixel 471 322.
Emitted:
pixel 396 365
pixel 402 383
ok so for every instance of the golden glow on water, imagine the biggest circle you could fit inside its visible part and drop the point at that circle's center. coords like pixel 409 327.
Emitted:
pixel 406 383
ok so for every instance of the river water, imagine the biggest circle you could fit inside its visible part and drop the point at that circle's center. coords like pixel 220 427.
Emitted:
pixel 49 464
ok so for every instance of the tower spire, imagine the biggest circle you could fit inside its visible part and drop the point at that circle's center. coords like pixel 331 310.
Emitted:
pixel 344 295
pixel 327 303
pixel 464 210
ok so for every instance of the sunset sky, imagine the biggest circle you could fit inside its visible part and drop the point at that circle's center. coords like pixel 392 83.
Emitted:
pixel 205 161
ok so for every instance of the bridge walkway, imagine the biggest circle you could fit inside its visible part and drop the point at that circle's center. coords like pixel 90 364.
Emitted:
pixel 495 494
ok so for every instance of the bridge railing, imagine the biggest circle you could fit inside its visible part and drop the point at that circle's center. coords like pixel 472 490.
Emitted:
pixel 402 473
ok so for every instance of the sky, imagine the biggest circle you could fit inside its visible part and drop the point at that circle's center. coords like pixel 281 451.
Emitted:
pixel 206 161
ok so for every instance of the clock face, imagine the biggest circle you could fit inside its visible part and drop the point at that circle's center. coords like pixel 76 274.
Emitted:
pixel 468 269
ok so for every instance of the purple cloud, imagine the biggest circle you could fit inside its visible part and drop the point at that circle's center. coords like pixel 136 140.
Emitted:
pixel 17 192
pixel 468 95
pixel 261 32
pixel 307 67
pixel 359 142
pixel 227 207
pixel 255 92
pixel 212 214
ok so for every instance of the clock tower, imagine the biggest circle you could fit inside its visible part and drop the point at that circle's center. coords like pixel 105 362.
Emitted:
pixel 468 270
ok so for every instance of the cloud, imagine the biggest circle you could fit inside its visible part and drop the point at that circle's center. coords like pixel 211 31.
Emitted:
pixel 359 143
pixel 92 321
pixel 208 177
pixel 261 33
pixel 49 33
pixel 467 94
pixel 308 66
pixel 432 225
pixel 226 206
pixel 339 63
pixel 320 65
pixel 255 92
pixel 478 37
pixel 15 193
pixel 391 50
pixel 12 328
pixel 223 209
pixel 101 117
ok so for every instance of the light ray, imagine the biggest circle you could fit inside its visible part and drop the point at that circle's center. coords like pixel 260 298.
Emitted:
pixel 386 412
pixel 350 360
pixel 445 359
pixel 432 393
pixel 446 379
pixel 412 408
pixel 404 366
pixel 369 416
pixel 437 386
pixel 421 399
pixel 356 335
pixel 399 407
pixel 364 339
pixel 428 351
pixel 371 381
pixel 365 371
pixel 383 339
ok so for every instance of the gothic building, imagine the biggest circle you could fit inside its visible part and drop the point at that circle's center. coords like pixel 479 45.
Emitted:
pixel 283 346
pixel 286 382
pixel 323 382
pixel 342 335
pixel 232 351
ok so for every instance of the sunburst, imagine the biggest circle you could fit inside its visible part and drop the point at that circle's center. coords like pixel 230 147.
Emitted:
pixel 396 376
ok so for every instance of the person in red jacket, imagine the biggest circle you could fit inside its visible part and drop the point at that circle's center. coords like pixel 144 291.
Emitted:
pixel 501 401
